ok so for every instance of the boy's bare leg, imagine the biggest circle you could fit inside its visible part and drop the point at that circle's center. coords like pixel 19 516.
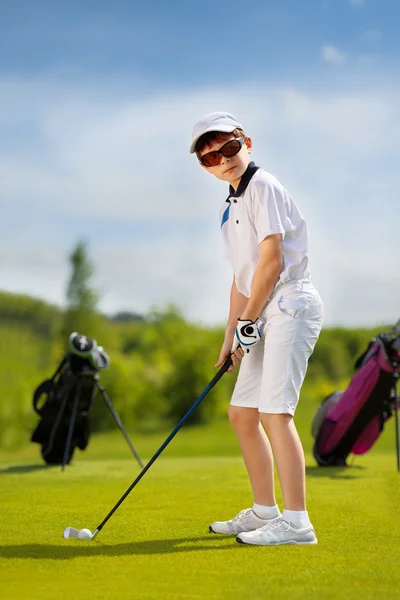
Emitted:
pixel 289 458
pixel 256 451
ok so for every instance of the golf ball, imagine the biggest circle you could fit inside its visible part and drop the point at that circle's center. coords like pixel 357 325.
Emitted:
pixel 85 534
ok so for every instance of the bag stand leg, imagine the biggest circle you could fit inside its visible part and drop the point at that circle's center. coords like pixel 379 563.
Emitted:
pixel 71 424
pixel 396 417
pixel 118 422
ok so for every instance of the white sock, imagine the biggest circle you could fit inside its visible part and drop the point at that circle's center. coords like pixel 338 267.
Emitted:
pixel 266 512
pixel 298 518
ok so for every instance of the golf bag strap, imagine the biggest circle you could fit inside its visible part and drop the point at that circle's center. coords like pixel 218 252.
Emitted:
pixel 44 388
pixel 365 355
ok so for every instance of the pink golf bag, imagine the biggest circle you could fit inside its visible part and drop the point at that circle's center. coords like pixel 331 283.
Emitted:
pixel 351 421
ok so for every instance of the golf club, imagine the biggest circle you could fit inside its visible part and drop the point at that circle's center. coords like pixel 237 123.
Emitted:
pixel 86 534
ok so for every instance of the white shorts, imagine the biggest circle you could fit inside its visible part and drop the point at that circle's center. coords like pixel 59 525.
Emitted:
pixel 272 373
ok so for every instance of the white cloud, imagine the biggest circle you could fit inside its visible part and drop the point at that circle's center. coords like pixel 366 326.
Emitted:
pixel 333 55
pixel 117 172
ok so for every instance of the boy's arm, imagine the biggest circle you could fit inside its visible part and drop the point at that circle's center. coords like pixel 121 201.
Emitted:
pixel 265 277
pixel 237 305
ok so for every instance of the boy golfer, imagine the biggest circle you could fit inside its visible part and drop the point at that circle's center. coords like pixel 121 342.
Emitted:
pixel 274 321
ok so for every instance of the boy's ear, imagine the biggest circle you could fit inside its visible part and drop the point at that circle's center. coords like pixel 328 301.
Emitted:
pixel 249 143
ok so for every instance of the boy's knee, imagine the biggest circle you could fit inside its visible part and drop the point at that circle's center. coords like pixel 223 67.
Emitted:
pixel 243 419
pixel 272 421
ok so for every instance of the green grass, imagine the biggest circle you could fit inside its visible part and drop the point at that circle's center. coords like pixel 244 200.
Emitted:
pixel 156 546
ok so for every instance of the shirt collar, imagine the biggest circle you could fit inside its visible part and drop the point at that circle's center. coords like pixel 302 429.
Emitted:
pixel 244 181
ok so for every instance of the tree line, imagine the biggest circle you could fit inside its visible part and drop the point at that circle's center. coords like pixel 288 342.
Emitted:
pixel 160 362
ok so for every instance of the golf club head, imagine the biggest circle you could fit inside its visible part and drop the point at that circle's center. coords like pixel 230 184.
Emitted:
pixel 99 359
pixel 71 532
pixel 80 534
pixel 80 344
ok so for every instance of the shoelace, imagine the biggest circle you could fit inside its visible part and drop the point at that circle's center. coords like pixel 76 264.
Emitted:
pixel 241 514
pixel 275 524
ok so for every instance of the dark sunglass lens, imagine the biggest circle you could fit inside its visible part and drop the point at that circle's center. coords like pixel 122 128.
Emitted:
pixel 231 148
pixel 210 159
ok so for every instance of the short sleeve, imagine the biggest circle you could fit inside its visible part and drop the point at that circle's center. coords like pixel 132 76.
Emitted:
pixel 269 208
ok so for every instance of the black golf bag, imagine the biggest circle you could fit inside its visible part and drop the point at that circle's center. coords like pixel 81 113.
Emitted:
pixel 63 402
pixel 351 421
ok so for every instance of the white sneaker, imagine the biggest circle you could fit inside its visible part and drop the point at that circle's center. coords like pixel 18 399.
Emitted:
pixel 277 533
pixel 246 520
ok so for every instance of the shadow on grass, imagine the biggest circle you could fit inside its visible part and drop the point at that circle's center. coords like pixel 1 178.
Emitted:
pixel 73 550
pixel 26 468
pixel 334 472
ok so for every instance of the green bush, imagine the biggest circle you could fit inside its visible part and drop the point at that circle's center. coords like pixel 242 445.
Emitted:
pixel 159 365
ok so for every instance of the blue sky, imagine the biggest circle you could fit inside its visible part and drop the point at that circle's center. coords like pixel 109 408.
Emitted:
pixel 97 101
pixel 180 42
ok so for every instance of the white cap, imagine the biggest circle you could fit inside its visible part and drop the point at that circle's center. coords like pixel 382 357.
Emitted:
pixel 215 121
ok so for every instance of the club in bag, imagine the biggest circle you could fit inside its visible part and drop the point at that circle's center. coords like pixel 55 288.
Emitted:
pixel 86 534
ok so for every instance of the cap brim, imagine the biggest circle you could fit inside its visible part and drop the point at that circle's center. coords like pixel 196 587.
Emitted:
pixel 222 128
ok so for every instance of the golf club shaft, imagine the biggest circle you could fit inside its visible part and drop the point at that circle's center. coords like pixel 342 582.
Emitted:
pixel 217 377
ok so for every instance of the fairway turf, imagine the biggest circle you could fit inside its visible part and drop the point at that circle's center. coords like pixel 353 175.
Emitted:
pixel 157 545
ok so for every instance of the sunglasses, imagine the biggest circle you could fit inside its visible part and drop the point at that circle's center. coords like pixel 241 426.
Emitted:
pixel 212 159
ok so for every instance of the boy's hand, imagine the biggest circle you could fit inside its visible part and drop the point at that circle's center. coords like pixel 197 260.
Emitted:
pixel 226 352
pixel 247 334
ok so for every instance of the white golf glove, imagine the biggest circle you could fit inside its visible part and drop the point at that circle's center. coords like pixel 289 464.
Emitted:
pixel 248 333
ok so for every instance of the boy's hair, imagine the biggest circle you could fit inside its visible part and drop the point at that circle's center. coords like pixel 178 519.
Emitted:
pixel 216 136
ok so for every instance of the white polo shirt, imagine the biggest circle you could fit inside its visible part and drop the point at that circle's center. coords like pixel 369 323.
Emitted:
pixel 260 207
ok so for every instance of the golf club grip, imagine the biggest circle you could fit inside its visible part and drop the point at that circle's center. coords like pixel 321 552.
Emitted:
pixel 228 363
pixel 217 377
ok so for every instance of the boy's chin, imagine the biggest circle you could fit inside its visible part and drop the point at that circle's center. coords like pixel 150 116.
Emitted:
pixel 235 174
pixel 229 178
